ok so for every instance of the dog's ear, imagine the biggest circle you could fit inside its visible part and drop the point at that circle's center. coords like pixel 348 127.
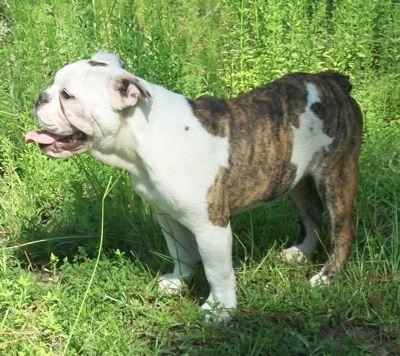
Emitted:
pixel 129 90
pixel 102 58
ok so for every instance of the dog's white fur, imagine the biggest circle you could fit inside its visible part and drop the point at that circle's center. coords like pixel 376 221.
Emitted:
pixel 171 170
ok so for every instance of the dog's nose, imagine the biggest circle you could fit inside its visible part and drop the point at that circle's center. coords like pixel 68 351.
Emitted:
pixel 42 99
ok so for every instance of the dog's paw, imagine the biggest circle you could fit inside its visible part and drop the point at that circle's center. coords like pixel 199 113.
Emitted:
pixel 292 254
pixel 320 279
pixel 216 314
pixel 169 284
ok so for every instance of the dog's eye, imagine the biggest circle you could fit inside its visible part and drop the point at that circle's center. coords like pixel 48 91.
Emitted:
pixel 66 94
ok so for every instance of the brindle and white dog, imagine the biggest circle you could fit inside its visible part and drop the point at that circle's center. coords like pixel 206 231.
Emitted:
pixel 199 161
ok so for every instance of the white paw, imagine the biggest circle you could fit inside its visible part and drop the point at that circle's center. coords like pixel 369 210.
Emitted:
pixel 320 279
pixel 169 284
pixel 216 314
pixel 293 254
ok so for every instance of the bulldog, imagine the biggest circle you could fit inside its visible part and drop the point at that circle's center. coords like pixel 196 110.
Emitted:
pixel 198 161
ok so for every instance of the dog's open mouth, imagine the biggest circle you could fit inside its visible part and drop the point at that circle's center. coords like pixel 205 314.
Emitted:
pixel 51 142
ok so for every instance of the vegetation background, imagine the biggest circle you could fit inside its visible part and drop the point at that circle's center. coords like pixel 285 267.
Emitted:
pixel 57 296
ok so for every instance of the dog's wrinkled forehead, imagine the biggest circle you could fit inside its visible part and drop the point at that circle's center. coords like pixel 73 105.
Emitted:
pixel 110 62
pixel 76 70
pixel 82 69
pixel 103 67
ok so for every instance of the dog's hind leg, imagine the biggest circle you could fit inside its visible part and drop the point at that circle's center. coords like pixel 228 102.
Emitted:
pixel 337 188
pixel 182 248
pixel 309 206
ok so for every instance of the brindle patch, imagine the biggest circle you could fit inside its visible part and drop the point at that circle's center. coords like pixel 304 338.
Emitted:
pixel 259 126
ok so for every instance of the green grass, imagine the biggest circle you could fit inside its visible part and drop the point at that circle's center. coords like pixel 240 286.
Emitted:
pixel 78 277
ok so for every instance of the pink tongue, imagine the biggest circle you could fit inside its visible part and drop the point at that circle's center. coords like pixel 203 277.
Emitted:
pixel 43 137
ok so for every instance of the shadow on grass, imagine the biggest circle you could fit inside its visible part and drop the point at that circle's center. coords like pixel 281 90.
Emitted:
pixel 73 230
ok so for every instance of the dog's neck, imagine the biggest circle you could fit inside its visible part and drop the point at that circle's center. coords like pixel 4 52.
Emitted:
pixel 136 140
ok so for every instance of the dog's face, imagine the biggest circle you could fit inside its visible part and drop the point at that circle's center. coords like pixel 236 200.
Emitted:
pixel 84 105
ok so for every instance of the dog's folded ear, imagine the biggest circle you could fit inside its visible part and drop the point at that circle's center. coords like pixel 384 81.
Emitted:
pixel 105 58
pixel 129 89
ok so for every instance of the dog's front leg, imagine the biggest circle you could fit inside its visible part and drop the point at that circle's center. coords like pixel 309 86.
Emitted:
pixel 215 247
pixel 182 248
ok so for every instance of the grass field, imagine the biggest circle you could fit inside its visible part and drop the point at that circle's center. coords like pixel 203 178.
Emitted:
pixel 78 261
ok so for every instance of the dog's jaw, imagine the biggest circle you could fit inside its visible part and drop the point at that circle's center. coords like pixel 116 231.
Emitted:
pixel 58 146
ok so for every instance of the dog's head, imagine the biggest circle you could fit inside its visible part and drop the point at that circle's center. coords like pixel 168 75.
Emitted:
pixel 85 103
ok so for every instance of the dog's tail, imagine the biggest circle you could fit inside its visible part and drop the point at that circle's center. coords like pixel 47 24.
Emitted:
pixel 342 80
